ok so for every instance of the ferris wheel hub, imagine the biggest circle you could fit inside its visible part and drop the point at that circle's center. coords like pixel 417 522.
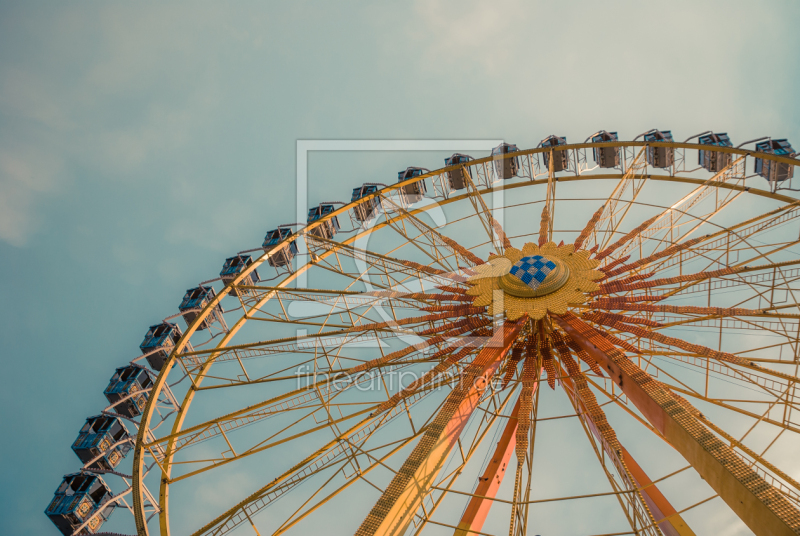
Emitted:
pixel 533 276
pixel 535 280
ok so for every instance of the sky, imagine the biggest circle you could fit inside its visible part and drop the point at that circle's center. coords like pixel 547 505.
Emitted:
pixel 141 143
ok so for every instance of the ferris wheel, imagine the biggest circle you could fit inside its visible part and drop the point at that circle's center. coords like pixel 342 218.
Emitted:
pixel 386 367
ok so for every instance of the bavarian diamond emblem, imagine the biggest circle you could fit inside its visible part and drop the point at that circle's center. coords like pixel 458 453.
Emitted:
pixel 532 270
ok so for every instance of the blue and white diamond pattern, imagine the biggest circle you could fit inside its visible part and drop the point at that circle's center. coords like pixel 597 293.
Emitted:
pixel 532 270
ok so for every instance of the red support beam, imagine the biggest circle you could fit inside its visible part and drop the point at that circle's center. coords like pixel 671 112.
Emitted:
pixel 396 508
pixel 669 521
pixel 478 508
pixel 667 518
pixel 759 505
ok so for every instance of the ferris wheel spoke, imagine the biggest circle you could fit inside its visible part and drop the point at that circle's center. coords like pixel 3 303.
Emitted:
pixel 207 464
pixel 700 350
pixel 788 486
pixel 628 284
pixel 755 457
pixel 778 393
pixel 494 230
pixel 330 409
pixel 610 337
pixel 327 456
pixel 364 468
pixel 716 317
pixel 386 264
pixel 548 210
pixel 617 400
pixel 433 240
pixel 393 361
pixel 646 262
pixel 444 335
pixel 777 327
pixel 332 338
pixel 697 221
pixel 590 227
pixel 525 434
pixel 477 509
pixel 445 485
pixel 776 389
pixel 403 496
pixel 717 260
pixel 721 242
pixel 722 201
pixel 336 318
pixel 360 468
pixel 722 404
pixel 308 344
pixel 337 301
pixel 671 217
pixel 595 423
pixel 781 278
pixel 432 250
pixel 612 216
pixel 442 367
pixel 703 450
pixel 404 276
pixel 300 398
pixel 625 239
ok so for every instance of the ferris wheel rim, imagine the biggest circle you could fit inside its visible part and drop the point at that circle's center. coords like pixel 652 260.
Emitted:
pixel 160 383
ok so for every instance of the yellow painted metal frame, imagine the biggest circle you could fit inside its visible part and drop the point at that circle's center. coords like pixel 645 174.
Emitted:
pixel 139 449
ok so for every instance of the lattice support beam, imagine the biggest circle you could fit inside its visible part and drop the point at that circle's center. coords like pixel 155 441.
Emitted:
pixel 395 509
pixel 669 521
pixel 478 508
pixel 595 421
pixel 667 518
pixel 759 505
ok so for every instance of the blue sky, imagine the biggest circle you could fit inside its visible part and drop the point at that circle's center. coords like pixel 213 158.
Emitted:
pixel 141 143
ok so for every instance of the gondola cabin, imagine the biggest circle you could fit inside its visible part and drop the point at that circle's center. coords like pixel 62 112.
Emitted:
pixel 367 209
pixel 771 170
pixel 194 301
pixel 506 168
pixel 714 161
pixel 128 390
pixel 329 227
pixel 412 192
pixel 458 178
pixel 283 256
pixel 233 267
pixel 606 157
pixel 660 157
pixel 159 341
pixel 560 158
pixel 99 440
pixel 76 500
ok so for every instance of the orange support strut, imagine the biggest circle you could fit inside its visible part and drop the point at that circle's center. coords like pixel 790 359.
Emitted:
pixel 478 508
pixel 396 508
pixel 669 521
pixel 757 503
pixel 665 515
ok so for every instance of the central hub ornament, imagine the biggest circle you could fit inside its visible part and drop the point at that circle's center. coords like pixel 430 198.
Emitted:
pixel 535 280
pixel 533 276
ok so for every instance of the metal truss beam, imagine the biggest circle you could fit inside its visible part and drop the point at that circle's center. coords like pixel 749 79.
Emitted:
pixel 478 508
pixel 759 505
pixel 394 511
pixel 668 519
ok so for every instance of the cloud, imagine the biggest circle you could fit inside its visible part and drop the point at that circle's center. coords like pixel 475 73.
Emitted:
pixel 469 32
pixel 110 105
pixel 25 173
